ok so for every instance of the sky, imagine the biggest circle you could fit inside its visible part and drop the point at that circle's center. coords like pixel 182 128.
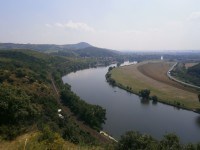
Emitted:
pixel 113 24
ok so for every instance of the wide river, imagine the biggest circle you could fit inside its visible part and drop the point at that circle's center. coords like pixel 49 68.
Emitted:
pixel 125 111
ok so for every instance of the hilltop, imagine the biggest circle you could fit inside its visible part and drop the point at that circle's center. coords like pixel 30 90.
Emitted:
pixel 81 49
pixel 45 47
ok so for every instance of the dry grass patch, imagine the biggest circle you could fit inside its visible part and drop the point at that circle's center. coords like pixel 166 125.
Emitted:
pixel 29 141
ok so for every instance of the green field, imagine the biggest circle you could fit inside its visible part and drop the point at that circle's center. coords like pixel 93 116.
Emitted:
pixel 152 75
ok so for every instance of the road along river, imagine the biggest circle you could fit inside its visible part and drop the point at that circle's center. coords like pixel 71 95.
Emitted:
pixel 125 111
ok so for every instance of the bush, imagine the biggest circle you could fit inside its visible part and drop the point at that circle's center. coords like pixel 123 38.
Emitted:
pixel 154 98
pixel 136 141
pixel 144 94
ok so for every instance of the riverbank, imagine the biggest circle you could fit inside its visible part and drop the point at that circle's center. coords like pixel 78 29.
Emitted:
pixel 153 75
pixel 90 85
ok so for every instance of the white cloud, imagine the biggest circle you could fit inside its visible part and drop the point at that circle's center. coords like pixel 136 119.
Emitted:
pixel 59 25
pixel 194 16
pixel 48 25
pixel 75 26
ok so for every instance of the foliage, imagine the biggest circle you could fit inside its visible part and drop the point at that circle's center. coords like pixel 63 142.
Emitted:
pixel 170 141
pixel 108 77
pixel 27 98
pixel 50 138
pixel 194 70
pixel 93 115
pixel 144 93
pixel 154 98
pixel 190 75
pixel 135 141
pixel 199 97
pixel 110 68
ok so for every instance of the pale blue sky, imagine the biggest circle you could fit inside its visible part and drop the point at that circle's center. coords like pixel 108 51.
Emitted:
pixel 115 24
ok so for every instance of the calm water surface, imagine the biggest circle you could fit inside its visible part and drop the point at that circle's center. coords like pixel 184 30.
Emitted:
pixel 125 111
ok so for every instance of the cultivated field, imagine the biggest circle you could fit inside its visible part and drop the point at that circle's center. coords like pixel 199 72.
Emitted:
pixel 152 75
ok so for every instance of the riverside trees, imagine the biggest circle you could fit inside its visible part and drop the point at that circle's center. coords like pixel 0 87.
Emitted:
pixel 144 94
pixel 199 97
pixel 137 141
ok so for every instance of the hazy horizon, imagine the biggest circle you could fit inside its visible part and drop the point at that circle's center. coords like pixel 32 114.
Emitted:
pixel 131 25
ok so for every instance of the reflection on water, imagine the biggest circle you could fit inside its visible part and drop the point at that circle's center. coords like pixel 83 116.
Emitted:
pixel 154 102
pixel 198 120
pixel 144 101
pixel 125 111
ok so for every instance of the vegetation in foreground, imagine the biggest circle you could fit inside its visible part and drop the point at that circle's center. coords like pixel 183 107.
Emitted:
pixel 152 76
pixel 136 141
pixel 29 103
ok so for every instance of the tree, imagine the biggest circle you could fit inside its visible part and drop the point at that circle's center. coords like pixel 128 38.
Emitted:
pixel 110 68
pixel 135 140
pixel 144 93
pixel 170 141
pixel 190 147
pixel 154 98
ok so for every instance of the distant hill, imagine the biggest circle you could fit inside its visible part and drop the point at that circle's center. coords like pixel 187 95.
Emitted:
pixel 45 47
pixel 81 49
pixel 76 46
pixel 96 52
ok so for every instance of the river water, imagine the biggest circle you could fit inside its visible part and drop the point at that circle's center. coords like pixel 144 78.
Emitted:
pixel 125 111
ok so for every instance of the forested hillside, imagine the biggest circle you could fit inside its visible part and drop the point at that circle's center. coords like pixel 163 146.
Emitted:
pixel 81 49
pixel 189 75
pixel 194 70
pixel 28 101
pixel 45 47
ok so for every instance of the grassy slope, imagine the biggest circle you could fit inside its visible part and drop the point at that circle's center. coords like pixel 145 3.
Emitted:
pixel 157 82
pixel 30 141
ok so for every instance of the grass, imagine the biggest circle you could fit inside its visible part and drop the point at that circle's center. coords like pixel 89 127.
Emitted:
pixel 152 75
pixel 32 143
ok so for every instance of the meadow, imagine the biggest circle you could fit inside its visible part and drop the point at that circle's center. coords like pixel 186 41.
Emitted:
pixel 152 75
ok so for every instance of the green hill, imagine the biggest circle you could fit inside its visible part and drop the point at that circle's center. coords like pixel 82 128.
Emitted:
pixel 79 50
pixel 28 101
pixel 194 70
pixel 96 52
pixel 45 47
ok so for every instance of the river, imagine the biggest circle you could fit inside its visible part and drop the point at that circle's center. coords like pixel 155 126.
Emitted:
pixel 125 111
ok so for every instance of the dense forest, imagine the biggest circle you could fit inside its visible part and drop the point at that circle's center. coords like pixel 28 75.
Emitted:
pixel 194 70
